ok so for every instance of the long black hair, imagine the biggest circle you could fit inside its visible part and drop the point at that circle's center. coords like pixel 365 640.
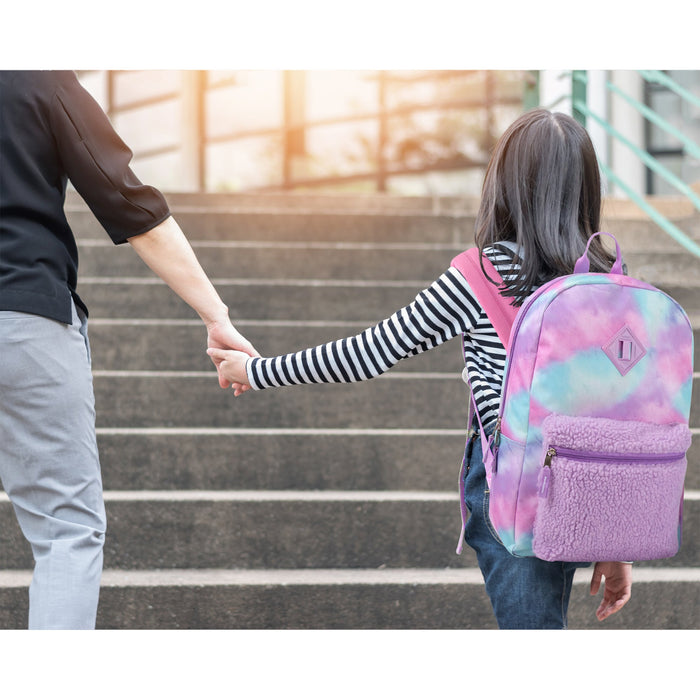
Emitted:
pixel 542 191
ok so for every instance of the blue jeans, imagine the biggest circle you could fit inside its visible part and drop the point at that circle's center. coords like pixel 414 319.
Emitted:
pixel 525 592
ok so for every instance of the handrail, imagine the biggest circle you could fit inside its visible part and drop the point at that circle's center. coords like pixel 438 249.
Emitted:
pixel 656 76
pixel 579 105
pixel 402 110
pixel 644 156
pixel 692 148
pixel 653 213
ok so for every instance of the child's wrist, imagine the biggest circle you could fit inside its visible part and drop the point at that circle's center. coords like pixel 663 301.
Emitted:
pixel 247 372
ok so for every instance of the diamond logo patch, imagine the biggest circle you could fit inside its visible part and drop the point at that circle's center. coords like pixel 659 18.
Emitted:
pixel 624 350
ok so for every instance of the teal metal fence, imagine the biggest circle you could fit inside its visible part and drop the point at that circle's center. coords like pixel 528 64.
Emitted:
pixel 583 112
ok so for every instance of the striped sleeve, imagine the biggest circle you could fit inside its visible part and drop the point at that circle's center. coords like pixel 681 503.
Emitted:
pixel 438 313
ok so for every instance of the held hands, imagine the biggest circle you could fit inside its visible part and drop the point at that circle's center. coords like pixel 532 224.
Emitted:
pixel 231 367
pixel 221 335
pixel 618 586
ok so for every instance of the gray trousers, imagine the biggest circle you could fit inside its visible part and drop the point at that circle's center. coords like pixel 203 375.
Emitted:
pixel 49 466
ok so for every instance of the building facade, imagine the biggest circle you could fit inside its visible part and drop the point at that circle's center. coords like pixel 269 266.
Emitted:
pixel 402 132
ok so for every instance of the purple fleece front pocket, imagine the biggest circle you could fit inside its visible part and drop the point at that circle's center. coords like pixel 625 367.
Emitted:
pixel 609 490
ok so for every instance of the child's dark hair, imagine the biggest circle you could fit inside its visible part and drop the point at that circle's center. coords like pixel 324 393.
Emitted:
pixel 542 191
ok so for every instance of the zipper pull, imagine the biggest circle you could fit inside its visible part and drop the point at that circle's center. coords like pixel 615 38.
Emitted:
pixel 492 449
pixel 546 475
pixel 497 432
pixel 551 453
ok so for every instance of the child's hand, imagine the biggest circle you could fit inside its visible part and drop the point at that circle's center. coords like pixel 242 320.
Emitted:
pixel 222 334
pixel 231 366
pixel 618 586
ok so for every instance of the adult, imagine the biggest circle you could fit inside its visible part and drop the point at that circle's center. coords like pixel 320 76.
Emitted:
pixel 51 131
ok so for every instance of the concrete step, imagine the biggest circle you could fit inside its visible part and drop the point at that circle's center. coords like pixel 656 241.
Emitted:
pixel 675 207
pixel 313 261
pixel 321 260
pixel 270 299
pixel 269 529
pixel 256 299
pixel 370 219
pixel 242 459
pixel 393 400
pixel 291 530
pixel 287 226
pixel 442 599
pixel 292 225
pixel 666 269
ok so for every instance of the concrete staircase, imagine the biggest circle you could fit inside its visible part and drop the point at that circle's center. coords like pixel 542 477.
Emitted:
pixel 310 507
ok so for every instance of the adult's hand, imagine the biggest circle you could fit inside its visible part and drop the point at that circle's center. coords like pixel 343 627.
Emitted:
pixel 166 250
pixel 222 335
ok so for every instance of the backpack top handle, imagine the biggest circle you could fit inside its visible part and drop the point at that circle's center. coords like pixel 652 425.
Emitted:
pixel 583 264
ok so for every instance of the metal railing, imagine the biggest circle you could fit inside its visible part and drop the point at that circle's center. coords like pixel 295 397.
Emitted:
pixel 582 112
pixel 291 131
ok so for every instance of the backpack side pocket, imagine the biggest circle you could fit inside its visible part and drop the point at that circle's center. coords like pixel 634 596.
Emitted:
pixel 609 490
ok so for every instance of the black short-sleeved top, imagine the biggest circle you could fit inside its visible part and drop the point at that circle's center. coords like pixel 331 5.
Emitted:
pixel 52 130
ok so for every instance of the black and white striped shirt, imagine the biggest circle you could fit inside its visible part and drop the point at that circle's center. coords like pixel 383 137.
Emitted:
pixel 445 309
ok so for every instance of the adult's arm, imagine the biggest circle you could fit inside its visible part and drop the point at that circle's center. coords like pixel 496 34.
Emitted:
pixel 97 162
pixel 169 255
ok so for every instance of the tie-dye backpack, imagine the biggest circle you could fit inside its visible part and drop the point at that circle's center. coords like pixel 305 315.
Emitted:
pixel 588 458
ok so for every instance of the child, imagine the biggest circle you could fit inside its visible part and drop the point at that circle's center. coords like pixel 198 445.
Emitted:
pixel 540 203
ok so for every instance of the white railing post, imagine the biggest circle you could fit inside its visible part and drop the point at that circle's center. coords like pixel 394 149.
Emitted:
pixel 597 98
pixel 625 162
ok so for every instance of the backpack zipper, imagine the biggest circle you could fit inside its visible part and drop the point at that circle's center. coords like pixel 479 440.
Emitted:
pixel 611 456
pixel 580 456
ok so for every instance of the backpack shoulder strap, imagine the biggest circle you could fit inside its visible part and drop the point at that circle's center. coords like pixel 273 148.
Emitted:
pixel 499 310
pixel 502 315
